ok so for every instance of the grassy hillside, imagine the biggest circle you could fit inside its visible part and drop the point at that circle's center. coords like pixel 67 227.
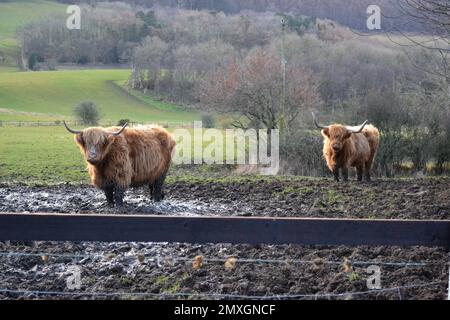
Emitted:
pixel 53 94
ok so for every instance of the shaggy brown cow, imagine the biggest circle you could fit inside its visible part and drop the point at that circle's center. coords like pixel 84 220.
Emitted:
pixel 345 147
pixel 118 158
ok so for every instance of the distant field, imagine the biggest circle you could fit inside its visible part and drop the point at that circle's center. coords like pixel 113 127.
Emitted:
pixel 54 94
pixel 7 115
pixel 5 69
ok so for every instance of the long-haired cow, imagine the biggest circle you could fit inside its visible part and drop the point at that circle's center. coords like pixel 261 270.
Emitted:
pixel 118 158
pixel 345 147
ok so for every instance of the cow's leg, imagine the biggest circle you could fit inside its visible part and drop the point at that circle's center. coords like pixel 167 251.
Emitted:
pixel 367 167
pixel 157 195
pixel 162 180
pixel 344 173
pixel 109 193
pixel 151 188
pixel 359 173
pixel 336 174
pixel 158 188
pixel 119 193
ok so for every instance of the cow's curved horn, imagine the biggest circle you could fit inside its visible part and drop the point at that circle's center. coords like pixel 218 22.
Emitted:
pixel 315 122
pixel 121 130
pixel 359 129
pixel 71 130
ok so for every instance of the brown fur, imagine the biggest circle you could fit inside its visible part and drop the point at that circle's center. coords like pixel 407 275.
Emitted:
pixel 353 149
pixel 137 156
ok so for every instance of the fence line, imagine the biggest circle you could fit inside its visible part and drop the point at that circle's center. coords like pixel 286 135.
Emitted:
pixel 58 123
pixel 213 229
pixel 222 260
pixel 219 295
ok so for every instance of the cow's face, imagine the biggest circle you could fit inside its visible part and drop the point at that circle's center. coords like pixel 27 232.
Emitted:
pixel 95 144
pixel 337 134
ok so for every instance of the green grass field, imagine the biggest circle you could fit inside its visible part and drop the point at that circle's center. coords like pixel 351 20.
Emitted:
pixel 47 155
pixel 53 95
pixel 39 154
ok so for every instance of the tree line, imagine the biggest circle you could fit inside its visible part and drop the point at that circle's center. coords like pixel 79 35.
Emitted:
pixel 351 13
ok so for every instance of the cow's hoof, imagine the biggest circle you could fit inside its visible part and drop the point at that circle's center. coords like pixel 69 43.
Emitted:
pixel 119 203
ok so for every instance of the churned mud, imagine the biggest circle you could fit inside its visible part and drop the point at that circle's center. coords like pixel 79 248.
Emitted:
pixel 159 271
pixel 86 199
pixel 403 199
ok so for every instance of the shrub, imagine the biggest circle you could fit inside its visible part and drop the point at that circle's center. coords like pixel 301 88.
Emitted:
pixel 208 121
pixel 301 154
pixel 33 60
pixel 87 112
pixel 122 122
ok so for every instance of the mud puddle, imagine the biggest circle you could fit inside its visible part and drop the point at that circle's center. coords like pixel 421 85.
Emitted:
pixel 87 199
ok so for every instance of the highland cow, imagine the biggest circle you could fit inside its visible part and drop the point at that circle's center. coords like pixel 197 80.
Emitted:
pixel 345 147
pixel 119 158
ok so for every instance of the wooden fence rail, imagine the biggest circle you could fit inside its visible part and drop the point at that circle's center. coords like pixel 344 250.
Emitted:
pixel 251 230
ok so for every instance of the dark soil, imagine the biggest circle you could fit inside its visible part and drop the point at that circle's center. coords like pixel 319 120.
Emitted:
pixel 297 197
pixel 167 268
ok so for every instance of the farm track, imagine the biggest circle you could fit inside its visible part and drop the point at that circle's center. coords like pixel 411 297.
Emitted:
pixel 115 267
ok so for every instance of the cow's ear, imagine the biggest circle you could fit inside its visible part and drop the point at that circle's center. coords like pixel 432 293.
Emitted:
pixel 347 135
pixel 79 139
pixel 326 132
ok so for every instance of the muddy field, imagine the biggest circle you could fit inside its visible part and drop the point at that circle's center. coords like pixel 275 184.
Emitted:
pixel 278 271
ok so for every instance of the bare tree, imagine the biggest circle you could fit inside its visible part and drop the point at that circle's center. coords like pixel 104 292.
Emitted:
pixel 191 63
pixel 433 15
pixel 253 90
pixel 147 63
pixel 434 18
